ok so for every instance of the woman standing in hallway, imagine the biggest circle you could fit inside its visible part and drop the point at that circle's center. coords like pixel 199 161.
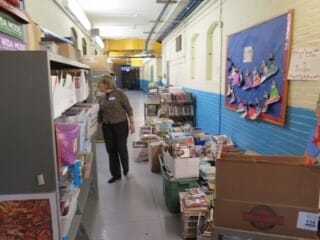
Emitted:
pixel 115 110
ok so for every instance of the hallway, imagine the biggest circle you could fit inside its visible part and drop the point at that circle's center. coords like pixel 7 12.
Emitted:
pixel 133 208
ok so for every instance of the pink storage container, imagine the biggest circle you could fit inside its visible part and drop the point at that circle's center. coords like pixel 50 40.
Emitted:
pixel 67 142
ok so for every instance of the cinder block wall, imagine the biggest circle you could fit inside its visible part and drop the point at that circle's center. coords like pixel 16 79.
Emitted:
pixel 235 16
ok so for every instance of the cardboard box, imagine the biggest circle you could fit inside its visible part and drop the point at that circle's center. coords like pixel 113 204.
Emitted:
pixel 68 51
pixel 266 194
pixel 34 35
pixel 182 167
pixel 140 151
pixel 49 46
pixel 154 149
pixel 97 63
pixel 235 234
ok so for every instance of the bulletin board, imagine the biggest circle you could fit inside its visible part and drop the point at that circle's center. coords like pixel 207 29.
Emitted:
pixel 256 70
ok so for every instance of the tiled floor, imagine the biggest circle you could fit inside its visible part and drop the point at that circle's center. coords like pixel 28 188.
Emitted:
pixel 133 208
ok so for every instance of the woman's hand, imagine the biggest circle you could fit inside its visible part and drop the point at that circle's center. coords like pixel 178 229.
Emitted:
pixel 132 128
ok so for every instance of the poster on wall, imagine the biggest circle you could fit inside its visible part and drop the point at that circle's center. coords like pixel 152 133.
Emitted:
pixel 304 64
pixel 256 71
pixel 29 216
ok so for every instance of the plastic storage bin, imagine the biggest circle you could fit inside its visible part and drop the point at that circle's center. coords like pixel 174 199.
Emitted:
pixel 189 222
pixel 172 188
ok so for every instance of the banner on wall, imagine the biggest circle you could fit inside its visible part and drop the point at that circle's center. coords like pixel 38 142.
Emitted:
pixel 305 64
pixel 256 71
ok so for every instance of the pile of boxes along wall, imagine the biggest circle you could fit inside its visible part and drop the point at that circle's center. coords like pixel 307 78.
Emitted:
pixel 254 197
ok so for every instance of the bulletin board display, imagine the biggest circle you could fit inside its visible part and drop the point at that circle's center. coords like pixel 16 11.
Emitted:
pixel 256 70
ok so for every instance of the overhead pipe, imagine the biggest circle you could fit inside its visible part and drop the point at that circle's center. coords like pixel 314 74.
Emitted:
pixel 156 24
pixel 192 5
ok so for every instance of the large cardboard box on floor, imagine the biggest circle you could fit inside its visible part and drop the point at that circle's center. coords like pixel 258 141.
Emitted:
pixel 140 151
pixel 268 194
pixel 154 149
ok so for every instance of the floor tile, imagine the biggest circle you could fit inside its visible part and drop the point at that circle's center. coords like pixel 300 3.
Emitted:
pixel 133 208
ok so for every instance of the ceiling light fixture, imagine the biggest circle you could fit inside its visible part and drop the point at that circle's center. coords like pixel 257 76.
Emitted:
pixel 76 11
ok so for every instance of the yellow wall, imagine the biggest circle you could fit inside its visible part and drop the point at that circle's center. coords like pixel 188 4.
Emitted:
pixel 236 16
pixel 50 16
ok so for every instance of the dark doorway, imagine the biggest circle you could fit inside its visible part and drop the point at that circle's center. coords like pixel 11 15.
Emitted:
pixel 130 78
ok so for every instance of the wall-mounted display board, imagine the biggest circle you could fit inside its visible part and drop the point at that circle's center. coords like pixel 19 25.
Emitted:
pixel 256 72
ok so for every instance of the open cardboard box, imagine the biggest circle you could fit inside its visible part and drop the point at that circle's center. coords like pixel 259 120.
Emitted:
pixel 267 194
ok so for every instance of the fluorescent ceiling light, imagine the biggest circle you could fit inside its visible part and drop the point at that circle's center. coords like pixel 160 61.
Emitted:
pixel 74 8
pixel 99 41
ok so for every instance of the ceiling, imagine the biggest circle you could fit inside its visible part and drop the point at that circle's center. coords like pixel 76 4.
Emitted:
pixel 128 19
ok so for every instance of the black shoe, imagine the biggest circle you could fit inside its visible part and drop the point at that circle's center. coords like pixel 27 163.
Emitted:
pixel 113 179
pixel 125 173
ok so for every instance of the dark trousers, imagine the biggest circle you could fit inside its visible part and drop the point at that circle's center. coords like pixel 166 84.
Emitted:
pixel 115 136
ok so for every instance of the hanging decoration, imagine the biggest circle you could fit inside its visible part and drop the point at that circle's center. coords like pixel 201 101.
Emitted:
pixel 257 65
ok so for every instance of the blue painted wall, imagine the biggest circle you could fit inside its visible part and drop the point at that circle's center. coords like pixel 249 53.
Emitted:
pixel 258 136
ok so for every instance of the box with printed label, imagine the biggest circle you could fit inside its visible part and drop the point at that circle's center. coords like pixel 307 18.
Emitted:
pixel 267 194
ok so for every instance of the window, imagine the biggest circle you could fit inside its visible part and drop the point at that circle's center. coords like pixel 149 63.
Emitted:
pixel 84 46
pixel 212 45
pixel 194 55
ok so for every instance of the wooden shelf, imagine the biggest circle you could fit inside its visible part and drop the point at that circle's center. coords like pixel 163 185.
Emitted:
pixel 14 12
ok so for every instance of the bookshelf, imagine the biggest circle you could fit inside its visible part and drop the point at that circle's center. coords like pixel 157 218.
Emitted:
pixel 29 164
pixel 179 107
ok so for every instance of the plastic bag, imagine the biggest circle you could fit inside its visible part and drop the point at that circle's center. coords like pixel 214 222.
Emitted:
pixel 67 143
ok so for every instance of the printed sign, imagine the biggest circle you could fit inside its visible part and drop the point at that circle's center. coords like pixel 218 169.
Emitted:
pixel 308 221
pixel 248 54
pixel 263 218
pixel 11 44
pixel 305 64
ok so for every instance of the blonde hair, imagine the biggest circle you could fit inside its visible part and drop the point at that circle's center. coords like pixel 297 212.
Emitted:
pixel 108 81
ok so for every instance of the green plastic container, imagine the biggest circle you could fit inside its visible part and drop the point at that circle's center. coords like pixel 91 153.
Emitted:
pixel 172 187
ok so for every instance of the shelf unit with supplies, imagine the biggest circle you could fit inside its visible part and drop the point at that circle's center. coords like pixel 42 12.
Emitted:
pixel 179 106
pixel 30 171
pixel 151 105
